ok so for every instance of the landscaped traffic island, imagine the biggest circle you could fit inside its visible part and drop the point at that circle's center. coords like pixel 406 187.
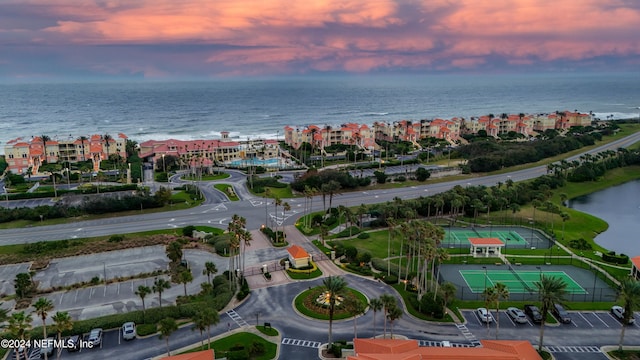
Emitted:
pixel 313 303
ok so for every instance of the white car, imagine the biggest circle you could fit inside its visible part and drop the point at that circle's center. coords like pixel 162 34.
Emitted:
pixel 95 337
pixel 517 315
pixel 618 313
pixel 129 330
pixel 484 315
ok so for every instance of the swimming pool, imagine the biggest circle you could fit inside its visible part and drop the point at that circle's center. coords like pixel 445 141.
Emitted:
pixel 272 162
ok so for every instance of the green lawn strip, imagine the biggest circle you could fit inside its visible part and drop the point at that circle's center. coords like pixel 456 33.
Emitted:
pixel 624 354
pixel 223 188
pixel 222 346
pixel 376 244
pixel 269 331
pixel 213 177
pixel 209 229
pixel 405 297
pixel 299 303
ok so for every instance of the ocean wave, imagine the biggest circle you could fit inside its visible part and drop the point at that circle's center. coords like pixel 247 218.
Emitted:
pixel 375 114
pixel 616 115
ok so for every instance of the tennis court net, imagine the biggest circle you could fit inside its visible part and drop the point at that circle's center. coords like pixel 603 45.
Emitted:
pixel 519 278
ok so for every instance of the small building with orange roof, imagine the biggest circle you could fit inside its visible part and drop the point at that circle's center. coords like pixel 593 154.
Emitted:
pixel 635 267
pixel 486 246
pixel 298 257
pixel 197 355
pixel 396 349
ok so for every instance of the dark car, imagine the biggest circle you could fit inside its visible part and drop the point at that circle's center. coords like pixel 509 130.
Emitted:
pixel 534 313
pixel 561 314
pixel 73 343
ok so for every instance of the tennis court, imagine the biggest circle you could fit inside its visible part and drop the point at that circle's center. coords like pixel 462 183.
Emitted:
pixel 517 281
pixel 459 237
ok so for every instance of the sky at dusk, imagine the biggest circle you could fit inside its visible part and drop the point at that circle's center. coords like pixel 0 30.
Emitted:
pixel 156 39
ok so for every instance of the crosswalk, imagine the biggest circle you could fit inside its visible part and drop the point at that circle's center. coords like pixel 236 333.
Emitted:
pixel 467 334
pixel 302 343
pixel 578 349
pixel 237 318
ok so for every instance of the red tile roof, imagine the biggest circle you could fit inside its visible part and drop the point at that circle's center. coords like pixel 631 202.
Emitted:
pixel 636 262
pixel 485 241
pixel 297 252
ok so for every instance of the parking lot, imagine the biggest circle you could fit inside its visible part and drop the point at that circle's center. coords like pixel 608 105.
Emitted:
pixel 602 321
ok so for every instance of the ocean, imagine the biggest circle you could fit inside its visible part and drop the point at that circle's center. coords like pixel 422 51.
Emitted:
pixel 252 108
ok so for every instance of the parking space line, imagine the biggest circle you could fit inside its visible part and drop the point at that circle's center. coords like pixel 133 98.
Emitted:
pixel 585 319
pixel 598 317
pixel 511 320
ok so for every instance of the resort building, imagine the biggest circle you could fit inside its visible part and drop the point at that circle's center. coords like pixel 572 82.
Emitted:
pixel 397 349
pixel 26 156
pixel 450 130
pixel 209 153
pixel 635 267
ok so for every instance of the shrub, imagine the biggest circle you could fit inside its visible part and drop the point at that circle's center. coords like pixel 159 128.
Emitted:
pixel 257 348
pixel 116 238
pixel 611 257
pixel 400 178
pixel 188 230
pixel 364 235
pixel 391 279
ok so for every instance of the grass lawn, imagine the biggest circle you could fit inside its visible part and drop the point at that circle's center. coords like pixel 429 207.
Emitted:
pixel 406 295
pixel 269 331
pixel 305 304
pixel 376 244
pixel 305 275
pixel 224 188
pixel 223 345
pixel 282 193
pixel 625 354
pixel 213 177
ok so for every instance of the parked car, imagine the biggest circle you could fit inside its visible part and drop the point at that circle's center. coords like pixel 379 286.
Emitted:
pixel 95 337
pixel 47 347
pixel 517 315
pixel 618 313
pixel 484 315
pixel 129 330
pixel 21 353
pixel 73 343
pixel 561 314
pixel 534 313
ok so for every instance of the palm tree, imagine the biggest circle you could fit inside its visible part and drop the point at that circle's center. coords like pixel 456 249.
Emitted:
pixel 551 290
pixel 185 277
pixel 394 313
pixel 19 326
pixel 4 316
pixel 565 216
pixel 159 286
pixel 448 292
pixel 355 307
pixel 502 293
pixel 143 291
pixel 334 286
pixel 441 255
pixel 62 322
pixel 388 301
pixel 107 142
pixel 210 318
pixel 376 305
pixel 209 269
pixel 43 306
pixel 174 251
pixel 200 324
pixel 629 294
pixel 166 327
pixel 490 296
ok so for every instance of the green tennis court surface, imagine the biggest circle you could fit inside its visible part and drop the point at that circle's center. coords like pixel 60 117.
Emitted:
pixel 516 281
pixel 462 236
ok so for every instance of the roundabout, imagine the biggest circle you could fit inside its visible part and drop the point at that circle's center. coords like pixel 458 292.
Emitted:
pixel 314 303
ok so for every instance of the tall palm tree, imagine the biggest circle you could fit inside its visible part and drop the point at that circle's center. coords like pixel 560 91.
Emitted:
pixel 62 322
pixel 355 307
pixel 490 296
pixel 441 255
pixel 143 291
pixel 19 326
pixel 502 293
pixel 209 269
pixel 159 286
pixel 388 302
pixel 200 324
pixel 211 317
pixel 184 278
pixel 448 291
pixel 107 142
pixel 629 294
pixel 43 306
pixel 166 327
pixel 394 313
pixel 551 290
pixel 376 305
pixel 335 287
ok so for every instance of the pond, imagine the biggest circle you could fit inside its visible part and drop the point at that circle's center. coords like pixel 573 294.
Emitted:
pixel 619 206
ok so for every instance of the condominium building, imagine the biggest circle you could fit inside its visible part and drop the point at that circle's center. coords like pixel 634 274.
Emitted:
pixel 25 156
pixel 450 130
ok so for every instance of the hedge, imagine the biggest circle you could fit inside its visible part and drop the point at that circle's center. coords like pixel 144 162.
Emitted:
pixel 611 257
